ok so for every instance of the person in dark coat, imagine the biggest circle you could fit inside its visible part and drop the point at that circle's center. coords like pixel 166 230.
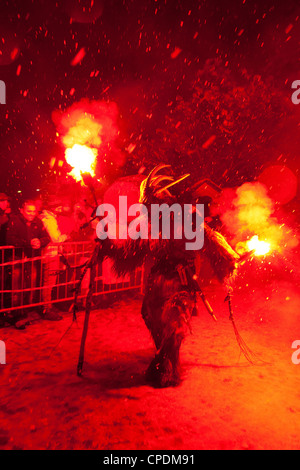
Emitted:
pixel 27 233
pixel 4 217
pixel 25 230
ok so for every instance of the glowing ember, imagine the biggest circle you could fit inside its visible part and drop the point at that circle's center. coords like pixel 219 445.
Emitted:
pixel 260 248
pixel 82 159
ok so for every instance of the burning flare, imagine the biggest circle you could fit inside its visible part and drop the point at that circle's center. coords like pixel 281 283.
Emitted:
pixel 88 131
pixel 248 214
pixel 82 159
pixel 80 142
pixel 259 247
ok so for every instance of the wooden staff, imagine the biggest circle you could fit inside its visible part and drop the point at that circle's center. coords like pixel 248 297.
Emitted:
pixel 88 307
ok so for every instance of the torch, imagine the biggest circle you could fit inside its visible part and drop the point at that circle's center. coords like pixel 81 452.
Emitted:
pixel 83 161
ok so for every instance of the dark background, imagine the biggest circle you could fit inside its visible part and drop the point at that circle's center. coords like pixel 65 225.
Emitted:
pixel 181 73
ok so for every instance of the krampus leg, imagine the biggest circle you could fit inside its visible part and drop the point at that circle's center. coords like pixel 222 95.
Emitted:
pixel 164 370
pixel 171 321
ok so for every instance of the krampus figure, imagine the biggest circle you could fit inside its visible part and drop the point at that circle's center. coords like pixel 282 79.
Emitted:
pixel 171 286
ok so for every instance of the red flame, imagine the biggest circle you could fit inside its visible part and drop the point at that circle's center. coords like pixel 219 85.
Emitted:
pixel 259 247
pixel 88 130
pixel 248 213
pixel 82 159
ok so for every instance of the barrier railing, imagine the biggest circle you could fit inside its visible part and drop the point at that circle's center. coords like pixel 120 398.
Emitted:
pixel 53 277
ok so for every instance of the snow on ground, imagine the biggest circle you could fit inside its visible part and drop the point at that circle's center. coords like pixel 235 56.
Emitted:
pixel 222 403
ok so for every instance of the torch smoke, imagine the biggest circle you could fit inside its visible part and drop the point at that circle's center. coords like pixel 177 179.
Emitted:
pixel 88 130
pixel 248 212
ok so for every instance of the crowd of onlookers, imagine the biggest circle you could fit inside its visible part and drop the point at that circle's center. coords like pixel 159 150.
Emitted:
pixel 37 228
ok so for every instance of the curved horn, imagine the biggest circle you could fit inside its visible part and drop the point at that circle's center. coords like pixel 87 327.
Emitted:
pixel 152 182
pixel 172 183
pixel 153 173
pixel 158 179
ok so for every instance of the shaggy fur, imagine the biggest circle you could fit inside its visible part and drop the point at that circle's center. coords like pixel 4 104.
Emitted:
pixel 169 297
pixel 169 301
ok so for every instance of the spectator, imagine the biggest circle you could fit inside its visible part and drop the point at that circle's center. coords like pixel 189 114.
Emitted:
pixel 70 219
pixel 51 259
pixel 73 220
pixel 4 217
pixel 64 217
pixel 82 216
pixel 26 232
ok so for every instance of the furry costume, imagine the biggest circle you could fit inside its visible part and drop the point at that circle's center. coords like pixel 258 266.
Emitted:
pixel 171 288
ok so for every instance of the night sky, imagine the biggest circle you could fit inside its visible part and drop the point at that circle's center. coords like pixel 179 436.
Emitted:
pixel 149 57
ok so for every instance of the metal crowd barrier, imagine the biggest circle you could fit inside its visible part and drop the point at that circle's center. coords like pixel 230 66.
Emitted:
pixel 53 277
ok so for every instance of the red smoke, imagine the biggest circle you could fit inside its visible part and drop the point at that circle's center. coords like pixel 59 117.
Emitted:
pixel 91 125
pixel 248 215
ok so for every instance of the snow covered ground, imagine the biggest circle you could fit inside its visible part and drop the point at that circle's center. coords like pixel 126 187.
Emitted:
pixel 223 401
